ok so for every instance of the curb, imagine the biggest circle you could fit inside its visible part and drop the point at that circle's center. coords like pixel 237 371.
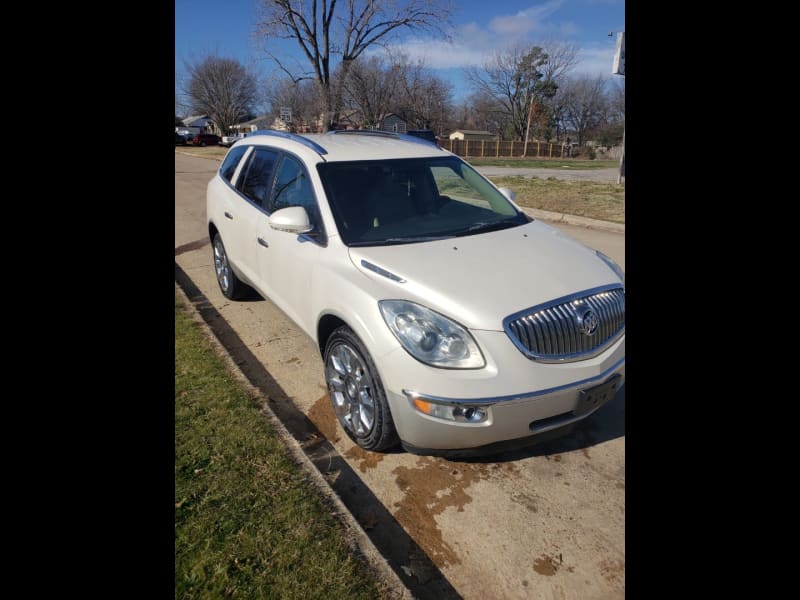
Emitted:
pixel 389 583
pixel 546 215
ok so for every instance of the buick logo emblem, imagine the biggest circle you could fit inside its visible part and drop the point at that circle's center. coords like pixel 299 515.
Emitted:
pixel 588 322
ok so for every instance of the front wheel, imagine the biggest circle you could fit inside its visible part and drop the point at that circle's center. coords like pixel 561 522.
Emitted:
pixel 231 286
pixel 356 392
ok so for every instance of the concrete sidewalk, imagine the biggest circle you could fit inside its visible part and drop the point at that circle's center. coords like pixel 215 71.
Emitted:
pixel 554 217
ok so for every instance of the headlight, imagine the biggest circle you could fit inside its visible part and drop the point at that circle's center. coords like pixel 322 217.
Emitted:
pixel 614 266
pixel 429 337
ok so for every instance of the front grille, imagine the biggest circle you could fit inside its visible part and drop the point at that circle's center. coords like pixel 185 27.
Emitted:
pixel 572 328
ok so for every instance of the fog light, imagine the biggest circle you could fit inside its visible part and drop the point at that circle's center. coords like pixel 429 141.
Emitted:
pixel 450 412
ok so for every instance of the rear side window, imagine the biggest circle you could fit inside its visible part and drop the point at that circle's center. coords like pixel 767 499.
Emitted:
pixel 256 178
pixel 231 161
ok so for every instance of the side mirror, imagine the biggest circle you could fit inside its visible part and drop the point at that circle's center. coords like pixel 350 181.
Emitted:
pixel 293 219
pixel 508 193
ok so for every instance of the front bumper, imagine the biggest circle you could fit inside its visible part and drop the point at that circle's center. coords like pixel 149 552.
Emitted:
pixel 549 398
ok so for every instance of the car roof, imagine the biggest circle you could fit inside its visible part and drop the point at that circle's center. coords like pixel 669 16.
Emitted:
pixel 336 146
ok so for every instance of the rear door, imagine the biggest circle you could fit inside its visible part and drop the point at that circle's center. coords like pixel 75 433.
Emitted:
pixel 247 207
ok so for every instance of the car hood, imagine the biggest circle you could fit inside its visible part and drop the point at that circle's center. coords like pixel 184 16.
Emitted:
pixel 479 280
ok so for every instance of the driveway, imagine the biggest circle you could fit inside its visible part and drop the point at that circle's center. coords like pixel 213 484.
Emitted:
pixel 546 522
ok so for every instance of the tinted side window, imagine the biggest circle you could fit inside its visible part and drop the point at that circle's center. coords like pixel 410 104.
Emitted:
pixel 254 182
pixel 228 167
pixel 293 188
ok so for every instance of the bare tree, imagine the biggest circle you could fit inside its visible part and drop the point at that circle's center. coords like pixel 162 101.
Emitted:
pixel 302 98
pixel 561 59
pixel 585 104
pixel 483 112
pixel 424 98
pixel 514 78
pixel 220 88
pixel 371 88
pixel 617 99
pixel 325 29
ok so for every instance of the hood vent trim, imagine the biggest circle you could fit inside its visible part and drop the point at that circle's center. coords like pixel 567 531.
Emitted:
pixel 382 272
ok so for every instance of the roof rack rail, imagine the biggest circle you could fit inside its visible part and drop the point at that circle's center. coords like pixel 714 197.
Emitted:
pixel 292 136
pixel 382 133
pixel 378 132
pixel 418 140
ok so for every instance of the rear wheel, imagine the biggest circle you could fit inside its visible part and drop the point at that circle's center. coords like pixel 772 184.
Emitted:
pixel 356 392
pixel 231 286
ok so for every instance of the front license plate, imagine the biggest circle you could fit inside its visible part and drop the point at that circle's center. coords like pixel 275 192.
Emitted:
pixel 594 397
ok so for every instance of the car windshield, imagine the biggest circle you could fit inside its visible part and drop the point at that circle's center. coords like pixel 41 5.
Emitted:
pixel 413 200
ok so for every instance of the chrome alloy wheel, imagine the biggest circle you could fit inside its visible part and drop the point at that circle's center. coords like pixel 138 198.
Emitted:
pixel 221 265
pixel 350 387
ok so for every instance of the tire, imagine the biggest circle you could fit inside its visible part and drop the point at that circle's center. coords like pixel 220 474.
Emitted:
pixel 202 143
pixel 231 286
pixel 356 392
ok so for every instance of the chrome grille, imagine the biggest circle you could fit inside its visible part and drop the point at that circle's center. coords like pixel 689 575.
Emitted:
pixel 571 328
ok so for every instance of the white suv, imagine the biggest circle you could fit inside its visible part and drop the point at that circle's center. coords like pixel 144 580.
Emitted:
pixel 448 320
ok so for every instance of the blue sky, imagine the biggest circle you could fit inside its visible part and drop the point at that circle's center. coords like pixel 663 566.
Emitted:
pixel 480 27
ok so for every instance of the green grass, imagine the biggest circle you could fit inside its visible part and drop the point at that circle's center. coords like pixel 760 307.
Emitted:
pixel 604 201
pixel 543 164
pixel 247 522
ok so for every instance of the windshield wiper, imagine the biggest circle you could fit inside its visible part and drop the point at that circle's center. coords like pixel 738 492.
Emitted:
pixel 421 238
pixel 483 227
pixel 400 240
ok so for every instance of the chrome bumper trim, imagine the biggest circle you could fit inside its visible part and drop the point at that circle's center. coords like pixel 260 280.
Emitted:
pixel 411 394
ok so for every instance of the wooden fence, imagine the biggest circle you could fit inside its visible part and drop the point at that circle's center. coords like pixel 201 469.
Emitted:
pixel 500 149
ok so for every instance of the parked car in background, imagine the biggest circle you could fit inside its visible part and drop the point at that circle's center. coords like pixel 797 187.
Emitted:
pixel 179 139
pixel 448 320
pixel 206 139
pixel 230 140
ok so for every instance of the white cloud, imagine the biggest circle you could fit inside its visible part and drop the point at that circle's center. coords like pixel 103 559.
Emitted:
pixel 437 54
pixel 526 21
pixel 473 44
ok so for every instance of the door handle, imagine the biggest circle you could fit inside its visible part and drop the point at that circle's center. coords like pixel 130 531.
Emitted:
pixel 263 242
pixel 229 215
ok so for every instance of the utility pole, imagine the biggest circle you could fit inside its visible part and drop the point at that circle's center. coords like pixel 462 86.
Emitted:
pixel 527 130
pixel 618 68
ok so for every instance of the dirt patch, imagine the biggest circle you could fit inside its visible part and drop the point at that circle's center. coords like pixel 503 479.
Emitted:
pixel 526 500
pixel 545 565
pixel 585 452
pixel 191 246
pixel 612 570
pixel 430 488
pixel 321 414
pixel 366 460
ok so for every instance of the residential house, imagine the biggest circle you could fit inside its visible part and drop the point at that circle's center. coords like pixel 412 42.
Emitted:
pixel 393 122
pixel 471 134
pixel 262 122
pixel 200 124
